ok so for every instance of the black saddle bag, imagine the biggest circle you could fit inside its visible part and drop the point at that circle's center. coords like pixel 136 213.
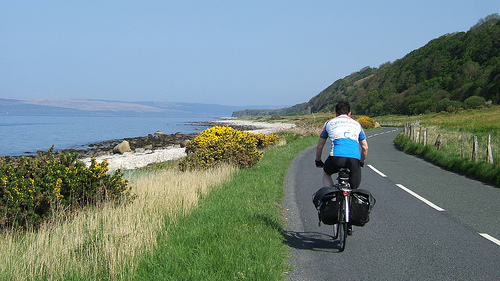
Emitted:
pixel 327 201
pixel 362 202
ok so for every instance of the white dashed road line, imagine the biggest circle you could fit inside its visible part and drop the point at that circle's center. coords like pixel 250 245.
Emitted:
pixel 491 238
pixel 434 206
pixel 420 198
pixel 377 171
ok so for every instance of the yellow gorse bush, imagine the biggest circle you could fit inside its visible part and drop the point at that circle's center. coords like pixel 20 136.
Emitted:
pixel 366 122
pixel 34 188
pixel 265 140
pixel 223 144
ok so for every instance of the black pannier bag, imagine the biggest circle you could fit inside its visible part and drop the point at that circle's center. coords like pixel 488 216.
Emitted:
pixel 327 202
pixel 361 205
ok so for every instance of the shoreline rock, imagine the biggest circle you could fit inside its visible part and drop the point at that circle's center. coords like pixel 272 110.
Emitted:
pixel 137 144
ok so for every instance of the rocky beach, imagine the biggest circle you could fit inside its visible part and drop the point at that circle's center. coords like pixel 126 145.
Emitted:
pixel 132 153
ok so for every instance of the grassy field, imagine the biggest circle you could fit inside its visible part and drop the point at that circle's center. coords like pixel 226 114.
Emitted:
pixel 451 127
pixel 477 120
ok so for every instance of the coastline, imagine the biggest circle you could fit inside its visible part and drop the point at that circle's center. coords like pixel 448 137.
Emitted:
pixel 173 145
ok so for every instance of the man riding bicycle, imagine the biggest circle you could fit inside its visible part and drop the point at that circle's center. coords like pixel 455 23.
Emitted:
pixel 346 137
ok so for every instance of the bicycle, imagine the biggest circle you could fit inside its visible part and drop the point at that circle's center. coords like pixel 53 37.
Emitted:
pixel 341 229
pixel 343 207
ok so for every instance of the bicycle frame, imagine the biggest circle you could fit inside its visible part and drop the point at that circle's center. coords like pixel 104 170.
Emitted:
pixel 346 192
pixel 344 186
pixel 342 227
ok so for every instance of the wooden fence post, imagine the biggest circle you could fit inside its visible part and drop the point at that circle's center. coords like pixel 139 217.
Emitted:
pixel 474 149
pixel 489 151
pixel 420 135
pixel 437 143
pixel 463 145
pixel 425 137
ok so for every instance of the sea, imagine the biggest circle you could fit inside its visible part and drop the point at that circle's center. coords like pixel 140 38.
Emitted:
pixel 24 135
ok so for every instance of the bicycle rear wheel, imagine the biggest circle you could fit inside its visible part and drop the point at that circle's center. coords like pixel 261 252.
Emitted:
pixel 336 231
pixel 342 235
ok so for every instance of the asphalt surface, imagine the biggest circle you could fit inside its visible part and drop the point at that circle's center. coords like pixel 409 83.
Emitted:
pixel 427 224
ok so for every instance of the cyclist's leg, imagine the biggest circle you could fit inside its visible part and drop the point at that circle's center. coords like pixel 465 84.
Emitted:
pixel 355 174
pixel 328 171
pixel 327 180
pixel 332 166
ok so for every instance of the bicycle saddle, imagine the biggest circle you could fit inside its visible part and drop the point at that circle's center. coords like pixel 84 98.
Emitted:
pixel 344 175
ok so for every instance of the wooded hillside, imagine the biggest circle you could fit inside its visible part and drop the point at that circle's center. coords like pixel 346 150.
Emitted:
pixel 459 70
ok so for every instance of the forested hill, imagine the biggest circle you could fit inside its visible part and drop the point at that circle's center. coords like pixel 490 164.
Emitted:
pixel 459 70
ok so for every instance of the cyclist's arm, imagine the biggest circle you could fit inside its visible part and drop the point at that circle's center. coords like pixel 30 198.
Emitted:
pixel 364 149
pixel 319 148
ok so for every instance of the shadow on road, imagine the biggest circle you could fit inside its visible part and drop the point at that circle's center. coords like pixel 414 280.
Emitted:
pixel 314 241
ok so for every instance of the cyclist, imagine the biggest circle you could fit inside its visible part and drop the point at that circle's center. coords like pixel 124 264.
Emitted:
pixel 349 146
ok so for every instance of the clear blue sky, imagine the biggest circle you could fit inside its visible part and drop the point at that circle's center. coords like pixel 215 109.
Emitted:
pixel 222 52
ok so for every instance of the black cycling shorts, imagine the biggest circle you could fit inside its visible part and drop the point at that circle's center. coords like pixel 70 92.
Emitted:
pixel 334 163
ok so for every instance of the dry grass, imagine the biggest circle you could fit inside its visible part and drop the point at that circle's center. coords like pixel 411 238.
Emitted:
pixel 110 239
pixel 308 125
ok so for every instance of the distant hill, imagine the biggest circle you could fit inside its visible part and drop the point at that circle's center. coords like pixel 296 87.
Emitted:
pixel 303 107
pixel 69 107
pixel 459 70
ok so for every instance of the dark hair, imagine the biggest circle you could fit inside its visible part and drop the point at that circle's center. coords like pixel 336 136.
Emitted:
pixel 342 107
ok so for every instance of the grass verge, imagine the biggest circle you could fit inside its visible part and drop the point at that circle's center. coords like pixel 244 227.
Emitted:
pixel 107 242
pixel 482 171
pixel 236 230
pixel 452 127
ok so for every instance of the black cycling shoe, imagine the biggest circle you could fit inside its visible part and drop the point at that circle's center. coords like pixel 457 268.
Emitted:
pixel 349 230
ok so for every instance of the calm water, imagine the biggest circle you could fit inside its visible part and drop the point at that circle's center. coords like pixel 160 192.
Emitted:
pixel 21 135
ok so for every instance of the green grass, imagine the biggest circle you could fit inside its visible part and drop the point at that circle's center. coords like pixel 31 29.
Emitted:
pixel 235 232
pixel 481 123
pixel 482 171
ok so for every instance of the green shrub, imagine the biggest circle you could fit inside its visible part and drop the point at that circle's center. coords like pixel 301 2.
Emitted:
pixel 474 102
pixel 223 144
pixel 34 188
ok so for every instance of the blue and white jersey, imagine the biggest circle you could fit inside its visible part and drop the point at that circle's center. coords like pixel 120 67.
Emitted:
pixel 345 134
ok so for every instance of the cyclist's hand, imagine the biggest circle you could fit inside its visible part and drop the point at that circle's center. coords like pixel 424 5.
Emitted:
pixel 319 163
pixel 361 164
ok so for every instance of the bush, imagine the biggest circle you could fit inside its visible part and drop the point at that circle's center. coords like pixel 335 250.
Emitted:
pixel 366 122
pixel 264 141
pixel 34 188
pixel 447 105
pixel 223 144
pixel 474 102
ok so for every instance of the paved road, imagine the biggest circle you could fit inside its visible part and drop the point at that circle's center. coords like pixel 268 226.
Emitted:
pixel 427 224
